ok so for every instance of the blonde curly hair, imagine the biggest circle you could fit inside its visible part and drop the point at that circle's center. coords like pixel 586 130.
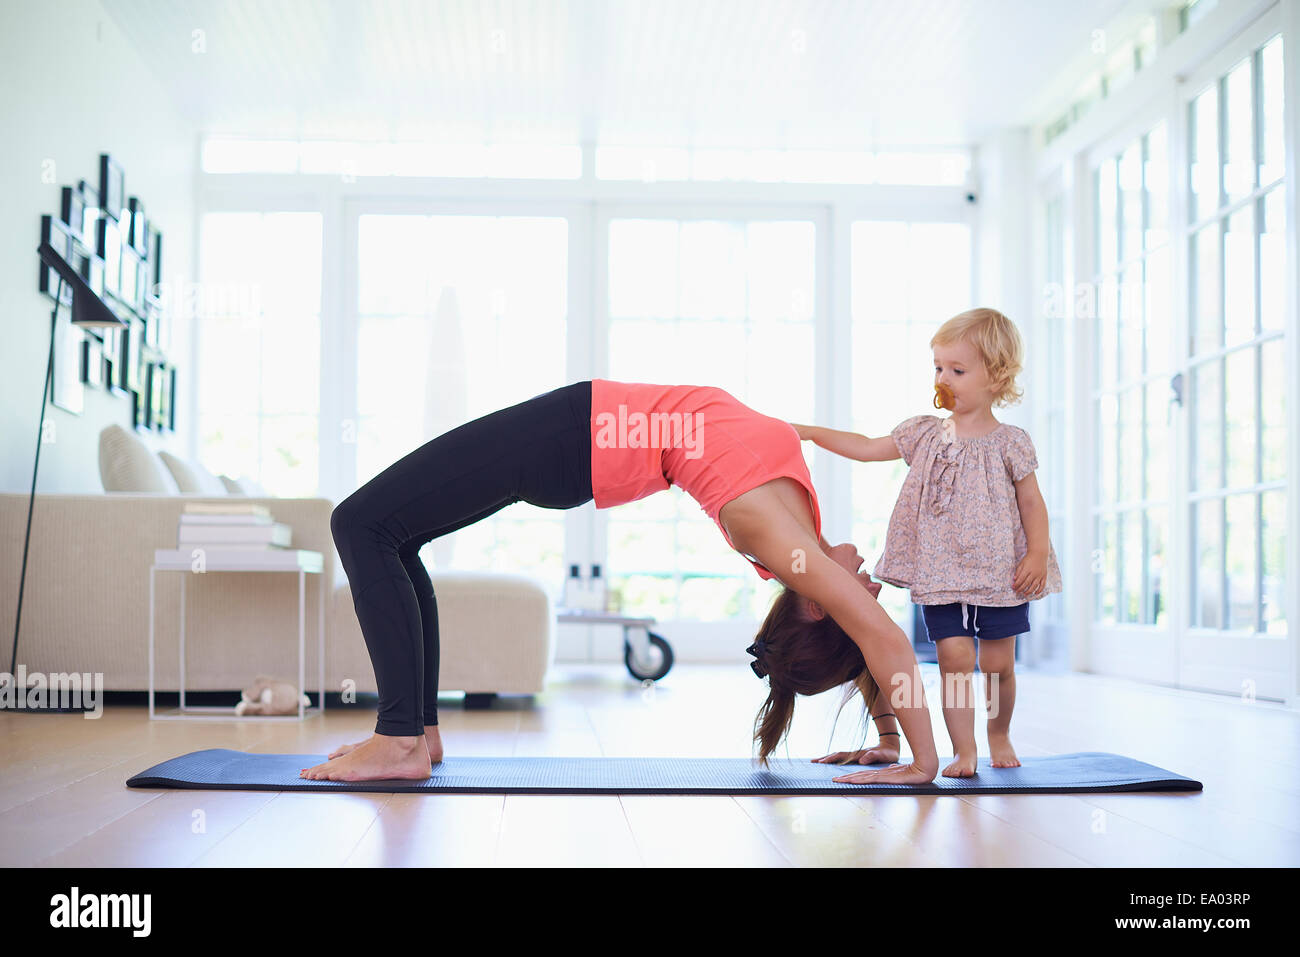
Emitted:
pixel 997 340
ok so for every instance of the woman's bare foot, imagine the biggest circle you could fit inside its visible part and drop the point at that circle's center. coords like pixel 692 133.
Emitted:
pixel 963 766
pixel 345 748
pixel 434 741
pixel 1001 753
pixel 431 738
pixel 381 758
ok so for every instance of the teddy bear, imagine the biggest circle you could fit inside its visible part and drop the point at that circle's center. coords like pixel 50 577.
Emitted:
pixel 269 696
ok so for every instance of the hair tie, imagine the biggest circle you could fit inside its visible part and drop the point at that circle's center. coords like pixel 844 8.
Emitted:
pixel 758 649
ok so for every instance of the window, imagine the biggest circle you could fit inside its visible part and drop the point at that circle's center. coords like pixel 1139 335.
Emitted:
pixel 350 159
pixel 711 302
pixel 1192 12
pixel 1131 390
pixel 1051 450
pixel 1234 348
pixel 906 280
pixel 1131 54
pixel 458 316
pixel 259 348
pixel 932 168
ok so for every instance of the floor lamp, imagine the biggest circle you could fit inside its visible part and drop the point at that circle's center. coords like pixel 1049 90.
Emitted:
pixel 88 311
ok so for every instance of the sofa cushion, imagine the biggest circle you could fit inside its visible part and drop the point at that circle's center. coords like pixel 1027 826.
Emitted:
pixel 191 477
pixel 244 486
pixel 126 464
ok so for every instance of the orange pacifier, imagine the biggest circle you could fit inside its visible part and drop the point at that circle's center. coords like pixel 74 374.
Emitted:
pixel 943 397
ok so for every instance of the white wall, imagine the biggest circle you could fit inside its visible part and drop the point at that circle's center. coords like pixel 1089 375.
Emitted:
pixel 73 88
pixel 1004 262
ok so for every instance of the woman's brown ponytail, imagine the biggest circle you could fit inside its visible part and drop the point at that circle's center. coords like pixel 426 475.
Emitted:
pixel 803 655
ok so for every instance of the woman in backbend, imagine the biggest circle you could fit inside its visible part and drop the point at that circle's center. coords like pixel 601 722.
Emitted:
pixel 618 442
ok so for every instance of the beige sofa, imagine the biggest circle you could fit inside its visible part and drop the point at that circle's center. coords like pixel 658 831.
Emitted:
pixel 86 600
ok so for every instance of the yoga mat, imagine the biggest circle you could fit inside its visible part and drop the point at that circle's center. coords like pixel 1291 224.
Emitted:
pixel 225 770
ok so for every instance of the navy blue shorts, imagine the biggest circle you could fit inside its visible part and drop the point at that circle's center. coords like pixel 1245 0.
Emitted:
pixel 982 621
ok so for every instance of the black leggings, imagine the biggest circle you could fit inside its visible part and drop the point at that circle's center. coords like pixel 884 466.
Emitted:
pixel 538 451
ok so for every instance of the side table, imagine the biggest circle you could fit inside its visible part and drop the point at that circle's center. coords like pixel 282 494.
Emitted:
pixel 302 561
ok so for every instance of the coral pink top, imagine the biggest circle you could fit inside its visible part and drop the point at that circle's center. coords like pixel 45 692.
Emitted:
pixel 700 438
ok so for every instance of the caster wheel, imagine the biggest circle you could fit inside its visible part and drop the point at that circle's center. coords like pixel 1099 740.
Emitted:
pixel 661 659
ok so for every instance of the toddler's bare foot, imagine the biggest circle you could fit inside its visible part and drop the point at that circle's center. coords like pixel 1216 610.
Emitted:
pixel 1001 753
pixel 963 766
pixel 431 738
pixel 381 758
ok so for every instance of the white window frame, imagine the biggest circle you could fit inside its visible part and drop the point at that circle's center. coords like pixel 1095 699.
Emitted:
pixel 589 204
pixel 1055 631
pixel 1252 666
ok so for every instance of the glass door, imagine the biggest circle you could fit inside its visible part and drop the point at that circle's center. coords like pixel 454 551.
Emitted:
pixel 706 297
pixel 1131 398
pixel 457 314
pixel 906 279
pixel 1235 373
pixel 259 347
pixel 1189 403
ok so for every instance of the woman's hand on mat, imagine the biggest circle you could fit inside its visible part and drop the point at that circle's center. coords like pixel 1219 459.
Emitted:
pixel 877 755
pixel 894 774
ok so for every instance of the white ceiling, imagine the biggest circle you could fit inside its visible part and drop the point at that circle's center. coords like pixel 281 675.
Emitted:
pixel 772 73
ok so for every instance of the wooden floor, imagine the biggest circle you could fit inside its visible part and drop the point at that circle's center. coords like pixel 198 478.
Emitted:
pixel 63 799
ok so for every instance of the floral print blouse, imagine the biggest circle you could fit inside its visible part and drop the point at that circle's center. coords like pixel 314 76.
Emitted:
pixel 955 533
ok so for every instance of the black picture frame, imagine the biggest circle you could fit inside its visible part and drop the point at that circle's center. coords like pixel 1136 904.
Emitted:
pixel 111 350
pixel 171 399
pixel 90 266
pixel 155 259
pixel 129 276
pixel 165 330
pixel 142 288
pixel 132 355
pixel 136 234
pixel 108 246
pixel 90 211
pixel 112 186
pixel 163 372
pixel 146 401
pixel 66 389
pixel 137 412
pixel 92 360
pixel 55 233
pixel 153 323
pixel 72 211
pixel 80 259
pixel 156 375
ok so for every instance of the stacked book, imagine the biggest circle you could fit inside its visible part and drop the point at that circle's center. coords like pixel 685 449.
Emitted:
pixel 232 533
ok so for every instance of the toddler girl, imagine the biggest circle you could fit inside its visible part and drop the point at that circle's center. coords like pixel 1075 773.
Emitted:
pixel 968 535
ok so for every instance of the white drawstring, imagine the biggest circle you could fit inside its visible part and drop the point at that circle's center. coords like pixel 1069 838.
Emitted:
pixel 974 615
